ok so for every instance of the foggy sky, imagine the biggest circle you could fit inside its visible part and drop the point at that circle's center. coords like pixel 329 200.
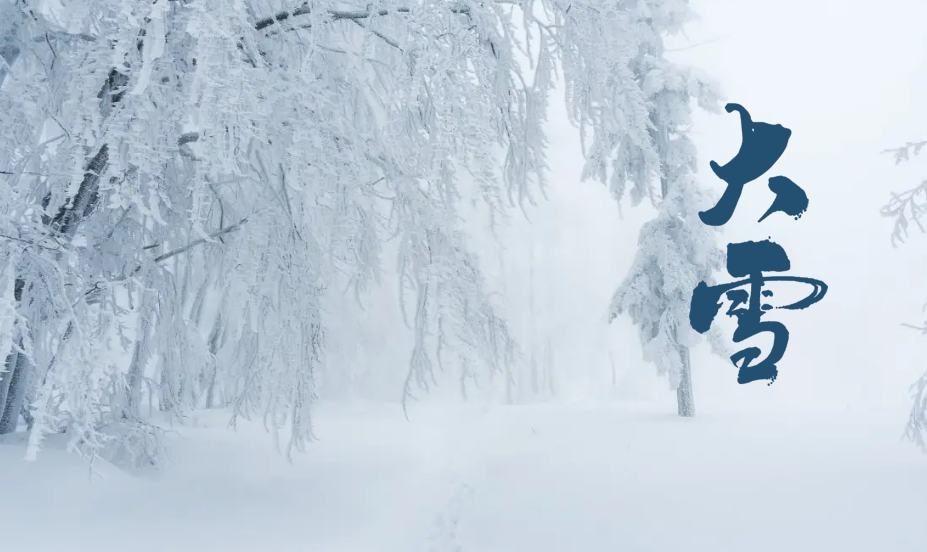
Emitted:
pixel 846 78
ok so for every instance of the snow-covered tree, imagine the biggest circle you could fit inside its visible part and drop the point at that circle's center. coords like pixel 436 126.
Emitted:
pixel 676 251
pixel 188 183
pixel 906 208
pixel 213 148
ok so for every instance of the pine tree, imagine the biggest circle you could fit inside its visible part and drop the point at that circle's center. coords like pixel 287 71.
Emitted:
pixel 675 250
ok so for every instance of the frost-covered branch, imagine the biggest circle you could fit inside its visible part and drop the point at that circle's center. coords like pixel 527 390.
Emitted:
pixel 191 245
pixel 908 207
pixel 99 286
pixel 905 208
pixel 336 15
pixel 343 147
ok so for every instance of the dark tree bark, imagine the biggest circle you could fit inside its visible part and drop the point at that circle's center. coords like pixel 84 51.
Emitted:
pixel 16 393
pixel 17 372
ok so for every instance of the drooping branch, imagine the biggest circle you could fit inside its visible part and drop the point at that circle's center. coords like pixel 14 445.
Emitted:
pixel 905 208
pixel 98 286
pixel 194 243
pixel 904 152
pixel 336 15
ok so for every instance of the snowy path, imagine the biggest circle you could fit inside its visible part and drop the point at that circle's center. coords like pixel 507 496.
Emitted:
pixel 531 479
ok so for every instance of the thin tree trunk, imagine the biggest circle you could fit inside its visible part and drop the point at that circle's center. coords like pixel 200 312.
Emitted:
pixel 549 367
pixel 6 376
pixel 215 340
pixel 165 391
pixel 213 349
pixel 611 360
pixel 508 384
pixel 16 392
pixel 535 377
pixel 509 376
pixel 684 399
pixel 65 224
pixel 14 376
pixel 136 372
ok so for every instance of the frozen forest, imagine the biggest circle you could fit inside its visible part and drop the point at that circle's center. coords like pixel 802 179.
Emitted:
pixel 397 274
pixel 203 184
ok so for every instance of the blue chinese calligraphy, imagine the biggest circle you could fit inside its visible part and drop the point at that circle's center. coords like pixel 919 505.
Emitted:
pixel 790 199
pixel 762 145
pixel 751 259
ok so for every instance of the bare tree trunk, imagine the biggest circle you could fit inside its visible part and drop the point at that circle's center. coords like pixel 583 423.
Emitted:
pixel 549 367
pixel 213 349
pixel 14 376
pixel 69 216
pixel 18 382
pixel 166 392
pixel 535 383
pixel 136 372
pixel 509 376
pixel 196 312
pixel 6 376
pixel 611 360
pixel 508 384
pixel 684 399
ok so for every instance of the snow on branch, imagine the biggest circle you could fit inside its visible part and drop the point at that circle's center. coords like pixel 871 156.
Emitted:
pixel 906 207
pixel 335 146
pixel 335 15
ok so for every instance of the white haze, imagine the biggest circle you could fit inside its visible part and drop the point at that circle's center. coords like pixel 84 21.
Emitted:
pixel 614 467
pixel 846 78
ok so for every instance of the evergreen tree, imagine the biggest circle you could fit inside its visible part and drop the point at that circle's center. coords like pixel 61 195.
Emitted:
pixel 676 251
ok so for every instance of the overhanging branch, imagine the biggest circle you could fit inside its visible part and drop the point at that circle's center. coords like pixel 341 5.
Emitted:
pixel 193 244
pixel 98 287
pixel 337 14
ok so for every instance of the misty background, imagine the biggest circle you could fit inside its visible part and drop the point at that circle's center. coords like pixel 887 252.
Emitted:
pixel 846 78
pixel 613 464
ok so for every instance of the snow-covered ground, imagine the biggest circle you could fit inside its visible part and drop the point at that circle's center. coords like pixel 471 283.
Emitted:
pixel 540 478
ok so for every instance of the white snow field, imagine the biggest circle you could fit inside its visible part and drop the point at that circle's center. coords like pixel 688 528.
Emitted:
pixel 534 479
